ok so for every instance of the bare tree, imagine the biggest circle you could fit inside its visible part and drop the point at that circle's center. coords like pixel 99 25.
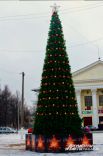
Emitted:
pixel 10 109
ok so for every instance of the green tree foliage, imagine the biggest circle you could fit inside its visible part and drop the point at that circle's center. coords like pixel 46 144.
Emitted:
pixel 57 111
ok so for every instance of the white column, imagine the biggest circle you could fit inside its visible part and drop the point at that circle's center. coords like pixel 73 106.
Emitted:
pixel 95 109
pixel 78 95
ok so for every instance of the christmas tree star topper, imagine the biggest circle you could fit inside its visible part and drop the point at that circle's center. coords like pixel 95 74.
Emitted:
pixel 55 8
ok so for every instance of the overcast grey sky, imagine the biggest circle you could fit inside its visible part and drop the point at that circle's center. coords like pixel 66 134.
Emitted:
pixel 23 36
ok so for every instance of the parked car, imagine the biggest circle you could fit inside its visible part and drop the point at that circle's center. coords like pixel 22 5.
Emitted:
pixel 6 130
pixel 92 128
pixel 89 128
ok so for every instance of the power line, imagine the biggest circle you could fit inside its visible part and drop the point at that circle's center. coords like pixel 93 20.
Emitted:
pixel 20 50
pixel 16 73
pixel 74 29
pixel 31 14
pixel 88 42
pixel 7 71
pixel 87 5
pixel 40 15
pixel 8 19
pixel 81 44
pixel 33 51
pixel 81 9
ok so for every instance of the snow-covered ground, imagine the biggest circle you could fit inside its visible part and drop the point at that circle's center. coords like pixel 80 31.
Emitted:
pixel 14 145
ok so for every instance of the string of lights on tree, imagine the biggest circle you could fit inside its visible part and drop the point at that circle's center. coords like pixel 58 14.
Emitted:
pixel 56 101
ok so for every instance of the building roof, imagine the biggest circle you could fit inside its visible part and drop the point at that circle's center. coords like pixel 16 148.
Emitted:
pixel 87 67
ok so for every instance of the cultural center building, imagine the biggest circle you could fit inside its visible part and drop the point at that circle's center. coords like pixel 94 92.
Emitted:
pixel 88 83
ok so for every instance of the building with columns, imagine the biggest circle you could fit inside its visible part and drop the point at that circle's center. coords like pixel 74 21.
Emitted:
pixel 88 83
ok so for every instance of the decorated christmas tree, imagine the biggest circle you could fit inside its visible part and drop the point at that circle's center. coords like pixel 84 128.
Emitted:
pixel 57 112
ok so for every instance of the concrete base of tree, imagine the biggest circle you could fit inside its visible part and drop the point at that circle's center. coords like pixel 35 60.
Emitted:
pixel 56 144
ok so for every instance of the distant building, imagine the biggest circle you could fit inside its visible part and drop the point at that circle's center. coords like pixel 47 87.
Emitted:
pixel 88 83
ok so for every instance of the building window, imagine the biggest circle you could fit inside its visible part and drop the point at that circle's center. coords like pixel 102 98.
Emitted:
pixel 100 100
pixel 101 119
pixel 88 100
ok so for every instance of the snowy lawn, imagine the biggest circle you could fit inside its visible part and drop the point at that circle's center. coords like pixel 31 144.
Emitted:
pixel 14 145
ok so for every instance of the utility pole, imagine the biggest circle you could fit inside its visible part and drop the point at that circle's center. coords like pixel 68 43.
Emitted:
pixel 18 116
pixel 99 54
pixel 18 109
pixel 22 100
pixel 0 84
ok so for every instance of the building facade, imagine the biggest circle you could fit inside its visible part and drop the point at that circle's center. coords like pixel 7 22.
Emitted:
pixel 88 84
